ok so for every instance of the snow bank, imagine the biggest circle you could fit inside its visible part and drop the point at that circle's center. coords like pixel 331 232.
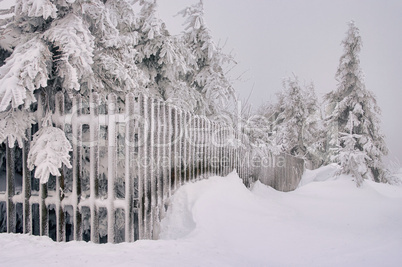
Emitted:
pixel 321 174
pixel 219 222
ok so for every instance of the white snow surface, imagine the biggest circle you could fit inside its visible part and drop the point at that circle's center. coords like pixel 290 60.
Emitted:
pixel 219 222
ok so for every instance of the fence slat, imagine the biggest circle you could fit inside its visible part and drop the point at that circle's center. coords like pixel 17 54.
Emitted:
pixel 130 210
pixel 111 151
pixel 59 110
pixel 138 190
pixel 77 166
pixel 10 189
pixel 43 210
pixel 94 165
pixel 26 186
pixel 145 162
pixel 175 148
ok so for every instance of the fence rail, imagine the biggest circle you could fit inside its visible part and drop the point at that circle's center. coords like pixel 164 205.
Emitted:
pixel 127 160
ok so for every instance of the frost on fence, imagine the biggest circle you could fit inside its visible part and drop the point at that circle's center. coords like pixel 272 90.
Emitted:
pixel 128 157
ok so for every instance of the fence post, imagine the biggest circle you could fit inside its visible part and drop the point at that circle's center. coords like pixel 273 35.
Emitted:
pixel 185 147
pixel 43 211
pixel 165 158
pixel 111 166
pixel 77 165
pixel 59 109
pixel 175 149
pixel 158 160
pixel 139 190
pixel 94 165
pixel 168 147
pixel 152 178
pixel 26 185
pixel 196 143
pixel 10 189
pixel 131 176
pixel 145 162
pixel 204 146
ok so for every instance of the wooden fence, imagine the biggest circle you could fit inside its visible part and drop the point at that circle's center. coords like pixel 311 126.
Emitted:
pixel 128 159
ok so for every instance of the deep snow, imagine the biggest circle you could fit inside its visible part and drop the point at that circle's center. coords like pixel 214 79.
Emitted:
pixel 327 221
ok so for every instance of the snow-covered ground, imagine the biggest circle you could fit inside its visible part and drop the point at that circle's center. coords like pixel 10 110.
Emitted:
pixel 219 222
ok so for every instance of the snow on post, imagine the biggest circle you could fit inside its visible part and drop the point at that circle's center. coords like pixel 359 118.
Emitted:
pixel 112 150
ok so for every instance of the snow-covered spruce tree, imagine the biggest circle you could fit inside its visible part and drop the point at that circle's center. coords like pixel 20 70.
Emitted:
pixel 70 46
pixel 207 75
pixel 359 141
pixel 165 60
pixel 294 122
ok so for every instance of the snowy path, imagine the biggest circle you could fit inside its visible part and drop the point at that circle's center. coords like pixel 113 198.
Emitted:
pixel 218 222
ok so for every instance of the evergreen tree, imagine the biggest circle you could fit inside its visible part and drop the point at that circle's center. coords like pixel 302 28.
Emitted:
pixel 294 125
pixel 77 47
pixel 354 110
pixel 165 60
pixel 207 75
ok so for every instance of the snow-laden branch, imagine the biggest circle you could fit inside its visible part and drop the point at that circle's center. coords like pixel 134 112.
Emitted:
pixel 49 150
pixel 26 70
pixel 13 124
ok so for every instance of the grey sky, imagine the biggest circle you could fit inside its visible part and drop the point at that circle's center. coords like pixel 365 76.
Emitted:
pixel 273 39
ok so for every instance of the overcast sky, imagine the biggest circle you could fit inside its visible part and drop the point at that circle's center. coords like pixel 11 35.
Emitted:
pixel 272 39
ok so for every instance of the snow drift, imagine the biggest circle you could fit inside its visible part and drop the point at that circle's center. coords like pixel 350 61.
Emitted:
pixel 325 222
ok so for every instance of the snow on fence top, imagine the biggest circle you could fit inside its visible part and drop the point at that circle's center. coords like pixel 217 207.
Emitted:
pixel 127 160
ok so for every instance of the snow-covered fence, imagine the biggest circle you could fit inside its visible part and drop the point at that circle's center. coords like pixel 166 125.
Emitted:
pixel 128 157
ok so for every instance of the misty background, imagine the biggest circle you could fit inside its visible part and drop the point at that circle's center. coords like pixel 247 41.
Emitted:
pixel 272 39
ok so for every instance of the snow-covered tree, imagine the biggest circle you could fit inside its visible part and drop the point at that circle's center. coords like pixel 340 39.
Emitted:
pixel 294 122
pixel 207 75
pixel 354 110
pixel 165 60
pixel 75 47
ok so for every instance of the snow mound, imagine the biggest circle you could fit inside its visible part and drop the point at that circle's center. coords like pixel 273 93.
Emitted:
pixel 193 204
pixel 321 174
pixel 219 222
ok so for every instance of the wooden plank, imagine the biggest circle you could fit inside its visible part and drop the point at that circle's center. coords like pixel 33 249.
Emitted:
pixel 43 210
pixel 10 187
pixel 77 167
pixel 142 156
pixel 112 147
pixel 175 149
pixel 26 186
pixel 94 165
pixel 130 210
pixel 168 144
pixel 60 225
pixel 138 141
